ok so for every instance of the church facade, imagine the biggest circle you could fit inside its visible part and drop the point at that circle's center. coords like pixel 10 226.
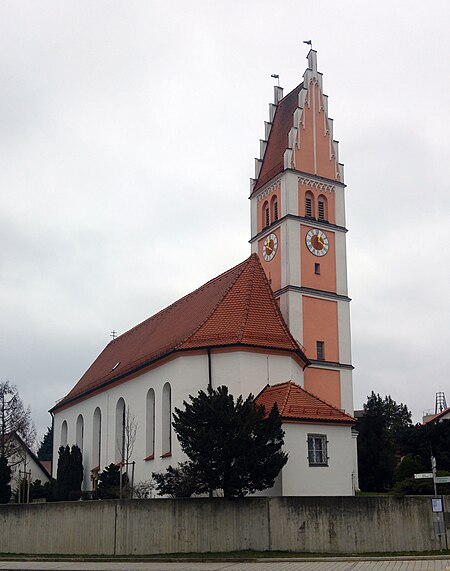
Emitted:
pixel 277 326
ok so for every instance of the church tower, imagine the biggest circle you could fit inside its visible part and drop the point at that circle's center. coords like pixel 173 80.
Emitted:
pixel 298 230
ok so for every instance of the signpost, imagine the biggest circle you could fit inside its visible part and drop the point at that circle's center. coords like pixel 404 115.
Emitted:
pixel 437 505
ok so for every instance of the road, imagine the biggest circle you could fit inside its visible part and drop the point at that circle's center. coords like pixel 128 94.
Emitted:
pixel 413 564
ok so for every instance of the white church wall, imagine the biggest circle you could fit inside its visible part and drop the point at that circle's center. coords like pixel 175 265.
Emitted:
pixel 247 372
pixel 243 372
pixel 186 375
pixel 301 479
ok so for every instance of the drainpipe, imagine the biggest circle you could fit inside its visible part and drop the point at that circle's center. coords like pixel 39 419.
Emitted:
pixel 209 370
pixel 53 443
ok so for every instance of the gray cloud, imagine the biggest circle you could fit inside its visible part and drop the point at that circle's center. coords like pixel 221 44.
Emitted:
pixel 127 138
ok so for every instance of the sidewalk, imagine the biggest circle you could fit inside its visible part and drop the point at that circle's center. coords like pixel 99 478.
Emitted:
pixel 393 564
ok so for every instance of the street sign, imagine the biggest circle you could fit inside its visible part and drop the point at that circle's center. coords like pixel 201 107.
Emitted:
pixel 423 476
pixel 442 479
pixel 436 505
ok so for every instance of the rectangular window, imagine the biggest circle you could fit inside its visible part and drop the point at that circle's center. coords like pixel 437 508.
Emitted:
pixel 308 207
pixel 317 450
pixel 320 346
pixel 267 217
pixel 317 269
pixel 321 208
pixel 275 210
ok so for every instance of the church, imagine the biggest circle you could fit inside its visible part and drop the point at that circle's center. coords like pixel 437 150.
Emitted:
pixel 277 325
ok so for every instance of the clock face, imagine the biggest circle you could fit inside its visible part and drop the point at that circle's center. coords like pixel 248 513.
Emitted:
pixel 317 242
pixel 270 247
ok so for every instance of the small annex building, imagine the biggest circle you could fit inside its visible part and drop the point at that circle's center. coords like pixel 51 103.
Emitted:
pixel 276 325
pixel 24 463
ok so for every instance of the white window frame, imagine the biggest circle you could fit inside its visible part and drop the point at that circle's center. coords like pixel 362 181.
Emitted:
pixel 317 449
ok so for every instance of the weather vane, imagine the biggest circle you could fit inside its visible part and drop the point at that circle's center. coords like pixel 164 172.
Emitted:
pixel 308 42
pixel 276 76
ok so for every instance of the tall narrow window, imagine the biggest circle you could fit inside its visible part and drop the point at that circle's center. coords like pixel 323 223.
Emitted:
pixel 80 432
pixel 309 205
pixel 166 421
pixel 317 450
pixel 274 208
pixel 96 438
pixel 317 269
pixel 320 345
pixel 150 426
pixel 64 433
pixel 266 216
pixel 322 208
pixel 120 431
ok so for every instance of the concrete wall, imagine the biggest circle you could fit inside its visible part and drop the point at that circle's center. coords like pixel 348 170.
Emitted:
pixel 137 527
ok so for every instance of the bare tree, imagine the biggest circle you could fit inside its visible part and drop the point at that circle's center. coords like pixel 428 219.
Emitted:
pixel 125 445
pixel 130 431
pixel 16 426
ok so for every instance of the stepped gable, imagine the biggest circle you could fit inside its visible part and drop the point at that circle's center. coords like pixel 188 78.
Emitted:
pixel 296 404
pixel 236 308
pixel 273 160
pixel 299 134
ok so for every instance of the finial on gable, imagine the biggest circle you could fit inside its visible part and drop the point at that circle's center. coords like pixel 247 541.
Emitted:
pixel 312 62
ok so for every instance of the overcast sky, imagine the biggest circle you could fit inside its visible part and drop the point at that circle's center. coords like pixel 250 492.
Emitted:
pixel 127 137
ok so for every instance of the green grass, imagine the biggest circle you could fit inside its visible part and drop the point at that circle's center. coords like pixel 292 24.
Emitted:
pixel 232 555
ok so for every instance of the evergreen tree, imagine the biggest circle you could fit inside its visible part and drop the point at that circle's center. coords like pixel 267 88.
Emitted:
pixel 424 440
pixel 109 483
pixel 76 472
pixel 180 482
pixel 69 474
pixel 408 466
pixel 380 430
pixel 232 446
pixel 45 451
pixel 5 478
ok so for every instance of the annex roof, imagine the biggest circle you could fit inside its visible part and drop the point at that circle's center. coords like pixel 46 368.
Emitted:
pixel 236 308
pixel 296 404
pixel 273 161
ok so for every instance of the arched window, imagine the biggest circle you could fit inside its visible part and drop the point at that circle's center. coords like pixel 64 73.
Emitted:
pixel 166 421
pixel 150 425
pixel 274 208
pixel 80 432
pixel 64 433
pixel 322 208
pixel 120 431
pixel 309 205
pixel 265 214
pixel 96 438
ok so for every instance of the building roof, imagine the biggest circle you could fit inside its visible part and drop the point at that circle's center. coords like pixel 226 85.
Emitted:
pixel 43 465
pixel 235 309
pixel 296 404
pixel 273 161
pixel 439 416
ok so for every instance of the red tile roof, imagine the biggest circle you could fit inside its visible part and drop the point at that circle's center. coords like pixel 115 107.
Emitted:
pixel 273 161
pixel 294 403
pixel 236 308
pixel 438 416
